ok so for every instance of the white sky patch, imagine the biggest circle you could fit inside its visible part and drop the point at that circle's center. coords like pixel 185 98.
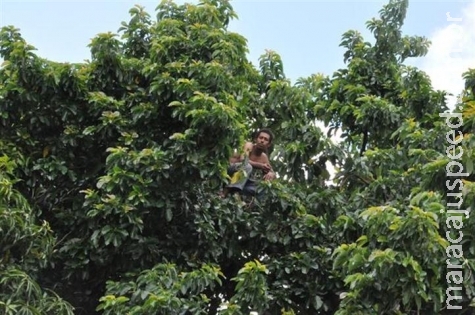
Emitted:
pixel 452 52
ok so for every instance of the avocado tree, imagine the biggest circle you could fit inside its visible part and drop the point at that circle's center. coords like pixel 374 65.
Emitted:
pixel 25 248
pixel 398 179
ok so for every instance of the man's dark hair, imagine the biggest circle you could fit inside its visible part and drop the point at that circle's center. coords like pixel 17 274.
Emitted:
pixel 268 131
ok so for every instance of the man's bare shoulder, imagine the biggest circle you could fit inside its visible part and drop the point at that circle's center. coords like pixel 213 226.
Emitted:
pixel 248 146
pixel 265 157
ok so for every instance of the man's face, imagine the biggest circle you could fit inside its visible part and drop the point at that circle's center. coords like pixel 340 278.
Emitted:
pixel 263 138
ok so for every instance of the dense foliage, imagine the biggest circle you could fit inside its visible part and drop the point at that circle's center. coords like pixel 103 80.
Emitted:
pixel 110 173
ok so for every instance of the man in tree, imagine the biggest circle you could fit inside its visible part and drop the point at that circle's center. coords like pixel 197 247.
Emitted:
pixel 253 165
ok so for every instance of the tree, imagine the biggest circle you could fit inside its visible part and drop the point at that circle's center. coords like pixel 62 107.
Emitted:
pixel 394 178
pixel 25 247
pixel 123 157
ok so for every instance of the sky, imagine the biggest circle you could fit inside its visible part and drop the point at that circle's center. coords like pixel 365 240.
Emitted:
pixel 306 34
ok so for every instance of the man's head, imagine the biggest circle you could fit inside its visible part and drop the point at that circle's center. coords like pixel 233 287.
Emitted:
pixel 264 137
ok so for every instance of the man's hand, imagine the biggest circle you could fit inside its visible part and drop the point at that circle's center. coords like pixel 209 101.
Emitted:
pixel 236 158
pixel 269 176
pixel 266 167
pixel 263 166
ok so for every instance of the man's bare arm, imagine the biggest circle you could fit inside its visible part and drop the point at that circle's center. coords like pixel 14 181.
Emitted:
pixel 235 158
pixel 239 157
pixel 270 175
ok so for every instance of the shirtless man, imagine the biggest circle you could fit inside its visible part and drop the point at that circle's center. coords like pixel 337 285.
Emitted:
pixel 244 176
